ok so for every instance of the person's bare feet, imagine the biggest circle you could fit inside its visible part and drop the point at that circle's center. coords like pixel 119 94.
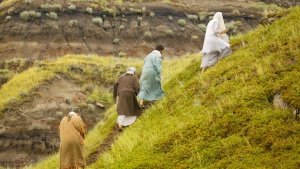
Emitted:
pixel 203 69
pixel 120 128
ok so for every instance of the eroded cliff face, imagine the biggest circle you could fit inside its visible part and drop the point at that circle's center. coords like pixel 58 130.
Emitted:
pixel 131 31
pixel 29 132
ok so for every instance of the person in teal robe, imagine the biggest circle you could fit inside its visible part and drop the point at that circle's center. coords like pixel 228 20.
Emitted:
pixel 150 81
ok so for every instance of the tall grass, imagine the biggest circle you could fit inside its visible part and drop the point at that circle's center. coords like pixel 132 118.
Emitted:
pixel 223 118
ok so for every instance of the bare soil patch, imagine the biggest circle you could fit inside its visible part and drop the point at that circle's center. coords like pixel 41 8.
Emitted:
pixel 28 132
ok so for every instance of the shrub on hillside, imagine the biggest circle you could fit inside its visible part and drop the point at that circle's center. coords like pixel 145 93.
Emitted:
pixel 51 6
pixel 202 27
pixel 29 15
pixel 116 41
pixel 121 54
pixel 73 23
pixel 148 35
pixel 28 1
pixel 52 15
pixel 97 21
pixel 8 18
pixel 72 7
pixel 235 12
pixel 169 32
pixel 89 10
pixel 181 22
pixel 192 17
pixel 152 14
pixel 11 10
pixel 121 27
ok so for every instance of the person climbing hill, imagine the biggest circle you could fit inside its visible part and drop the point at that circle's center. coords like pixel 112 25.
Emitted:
pixel 151 83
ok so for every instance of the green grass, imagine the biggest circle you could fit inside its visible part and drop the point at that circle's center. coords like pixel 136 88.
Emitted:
pixel 223 118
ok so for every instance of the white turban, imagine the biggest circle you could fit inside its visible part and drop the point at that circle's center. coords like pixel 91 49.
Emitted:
pixel 131 70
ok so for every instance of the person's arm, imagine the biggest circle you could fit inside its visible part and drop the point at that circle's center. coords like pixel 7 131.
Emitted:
pixel 136 85
pixel 158 67
pixel 216 28
pixel 116 89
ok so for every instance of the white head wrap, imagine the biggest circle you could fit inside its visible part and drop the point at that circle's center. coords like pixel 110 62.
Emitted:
pixel 131 70
pixel 220 19
pixel 72 113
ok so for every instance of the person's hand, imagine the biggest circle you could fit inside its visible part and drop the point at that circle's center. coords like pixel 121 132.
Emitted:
pixel 224 31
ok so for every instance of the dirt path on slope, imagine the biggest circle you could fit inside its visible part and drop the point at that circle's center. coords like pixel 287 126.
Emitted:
pixel 104 147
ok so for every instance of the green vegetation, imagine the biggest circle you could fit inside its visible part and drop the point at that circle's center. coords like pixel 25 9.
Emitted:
pixel 89 70
pixel 223 118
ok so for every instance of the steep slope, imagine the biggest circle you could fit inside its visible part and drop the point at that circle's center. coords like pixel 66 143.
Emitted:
pixel 226 117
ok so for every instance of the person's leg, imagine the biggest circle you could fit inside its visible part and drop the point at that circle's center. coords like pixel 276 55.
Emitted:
pixel 141 102
pixel 203 69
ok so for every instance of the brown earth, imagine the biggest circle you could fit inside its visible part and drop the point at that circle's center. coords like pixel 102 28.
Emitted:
pixel 28 131
pixel 44 38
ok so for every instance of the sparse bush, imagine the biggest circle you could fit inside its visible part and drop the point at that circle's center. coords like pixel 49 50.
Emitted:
pixel 193 37
pixel 238 23
pixel 121 54
pixel 116 41
pixel 143 9
pixel 148 34
pixel 262 5
pixel 202 27
pixel 38 126
pixel 192 17
pixel 235 12
pixel 230 25
pixel 29 15
pixel 8 18
pixel 202 16
pixel 121 27
pixel 72 7
pixel 52 15
pixel 49 6
pixel 98 21
pixel 169 32
pixel 73 23
pixel 89 10
pixel 170 18
pixel 23 94
pixel 11 10
pixel 181 22
pixel 91 107
pixel 152 14
pixel 140 18
pixel 28 1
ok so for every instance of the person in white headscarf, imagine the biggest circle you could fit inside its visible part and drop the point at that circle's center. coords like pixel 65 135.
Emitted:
pixel 126 89
pixel 222 27
pixel 214 48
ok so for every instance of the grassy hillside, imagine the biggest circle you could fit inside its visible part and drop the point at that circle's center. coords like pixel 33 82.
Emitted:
pixel 223 118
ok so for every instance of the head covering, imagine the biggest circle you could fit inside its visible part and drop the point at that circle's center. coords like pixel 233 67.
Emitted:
pixel 131 70
pixel 72 113
pixel 218 16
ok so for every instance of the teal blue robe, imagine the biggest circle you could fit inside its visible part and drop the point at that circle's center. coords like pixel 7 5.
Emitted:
pixel 151 87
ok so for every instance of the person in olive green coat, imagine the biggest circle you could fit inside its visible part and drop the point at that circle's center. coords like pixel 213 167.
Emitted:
pixel 72 132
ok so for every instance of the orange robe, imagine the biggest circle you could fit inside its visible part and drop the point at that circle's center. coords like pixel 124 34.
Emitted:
pixel 72 133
